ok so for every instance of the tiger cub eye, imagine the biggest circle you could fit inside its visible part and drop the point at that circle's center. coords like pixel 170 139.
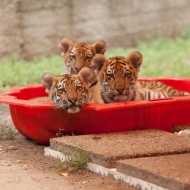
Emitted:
pixel 61 89
pixel 78 88
pixel 110 75
pixel 127 74
pixel 72 56
pixel 88 58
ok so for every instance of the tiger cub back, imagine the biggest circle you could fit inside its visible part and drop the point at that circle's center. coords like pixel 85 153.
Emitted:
pixel 79 55
pixel 158 90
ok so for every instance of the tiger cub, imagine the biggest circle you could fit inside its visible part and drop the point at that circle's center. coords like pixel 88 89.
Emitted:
pixel 78 55
pixel 158 90
pixel 70 91
pixel 118 80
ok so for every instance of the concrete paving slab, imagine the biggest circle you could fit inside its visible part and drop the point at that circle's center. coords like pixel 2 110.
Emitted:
pixel 106 149
pixel 170 171
pixel 111 172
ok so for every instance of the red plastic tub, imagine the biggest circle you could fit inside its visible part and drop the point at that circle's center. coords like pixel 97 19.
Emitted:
pixel 42 121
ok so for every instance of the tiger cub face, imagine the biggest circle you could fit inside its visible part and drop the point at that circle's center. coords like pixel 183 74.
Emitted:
pixel 117 76
pixel 79 55
pixel 69 91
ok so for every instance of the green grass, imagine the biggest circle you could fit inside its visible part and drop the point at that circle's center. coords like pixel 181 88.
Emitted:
pixel 16 72
pixel 162 58
pixel 75 160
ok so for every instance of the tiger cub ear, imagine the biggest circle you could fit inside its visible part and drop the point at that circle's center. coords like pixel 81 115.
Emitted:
pixel 136 59
pixel 65 44
pixel 88 76
pixel 47 81
pixel 97 63
pixel 100 46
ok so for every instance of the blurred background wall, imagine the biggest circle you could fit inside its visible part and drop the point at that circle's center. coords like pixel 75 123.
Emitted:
pixel 34 27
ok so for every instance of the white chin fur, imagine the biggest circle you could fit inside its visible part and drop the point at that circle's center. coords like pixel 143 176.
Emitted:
pixel 73 110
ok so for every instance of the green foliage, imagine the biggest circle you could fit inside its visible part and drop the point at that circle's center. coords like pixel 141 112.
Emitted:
pixel 6 133
pixel 15 72
pixel 162 58
pixel 75 160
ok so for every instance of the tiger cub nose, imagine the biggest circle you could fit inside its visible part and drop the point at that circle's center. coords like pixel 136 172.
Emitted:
pixel 72 100
pixel 78 69
pixel 120 90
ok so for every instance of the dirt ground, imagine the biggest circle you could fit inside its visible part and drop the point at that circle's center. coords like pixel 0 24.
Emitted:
pixel 24 166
